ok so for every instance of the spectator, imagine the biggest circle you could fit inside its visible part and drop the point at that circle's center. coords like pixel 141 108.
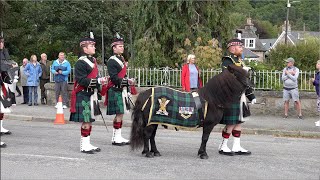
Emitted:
pixel 17 87
pixel 190 75
pixel 23 81
pixel 290 87
pixel 45 66
pixel 61 69
pixel 33 72
pixel 316 83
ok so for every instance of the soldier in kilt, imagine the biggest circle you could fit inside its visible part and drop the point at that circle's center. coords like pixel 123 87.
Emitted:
pixel 7 97
pixel 84 94
pixel 117 89
pixel 232 116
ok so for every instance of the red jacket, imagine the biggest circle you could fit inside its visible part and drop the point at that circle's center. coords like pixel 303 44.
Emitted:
pixel 185 78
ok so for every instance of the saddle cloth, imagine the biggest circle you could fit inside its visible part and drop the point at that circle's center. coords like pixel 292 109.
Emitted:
pixel 173 108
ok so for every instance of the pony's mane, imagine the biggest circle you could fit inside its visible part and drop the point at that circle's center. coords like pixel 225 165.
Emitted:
pixel 226 87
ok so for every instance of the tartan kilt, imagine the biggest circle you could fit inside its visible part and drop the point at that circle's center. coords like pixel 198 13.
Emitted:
pixel 115 102
pixel 231 115
pixel 78 116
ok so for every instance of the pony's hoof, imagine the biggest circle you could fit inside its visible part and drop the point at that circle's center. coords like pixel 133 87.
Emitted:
pixel 156 154
pixel 144 152
pixel 149 155
pixel 204 156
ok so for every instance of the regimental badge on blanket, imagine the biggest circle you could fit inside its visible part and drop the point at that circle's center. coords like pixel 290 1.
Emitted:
pixel 186 112
pixel 162 106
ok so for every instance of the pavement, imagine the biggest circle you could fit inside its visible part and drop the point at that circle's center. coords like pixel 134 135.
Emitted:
pixel 263 125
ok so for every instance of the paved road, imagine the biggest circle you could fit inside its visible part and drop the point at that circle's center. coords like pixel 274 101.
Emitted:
pixel 41 150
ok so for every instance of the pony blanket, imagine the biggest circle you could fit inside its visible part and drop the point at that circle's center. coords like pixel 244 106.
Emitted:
pixel 173 107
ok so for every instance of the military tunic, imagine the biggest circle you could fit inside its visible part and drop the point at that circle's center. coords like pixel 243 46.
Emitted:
pixel 231 115
pixel 117 71
pixel 83 109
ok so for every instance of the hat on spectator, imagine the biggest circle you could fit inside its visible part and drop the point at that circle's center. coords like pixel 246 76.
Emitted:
pixel 234 42
pixel 290 59
pixel 87 40
pixel 117 40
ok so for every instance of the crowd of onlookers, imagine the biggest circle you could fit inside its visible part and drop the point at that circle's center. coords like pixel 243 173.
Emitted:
pixel 33 74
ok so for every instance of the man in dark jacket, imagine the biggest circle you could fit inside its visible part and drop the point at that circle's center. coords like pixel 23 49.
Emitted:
pixel 45 77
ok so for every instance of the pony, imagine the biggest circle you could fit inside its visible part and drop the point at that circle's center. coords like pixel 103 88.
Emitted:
pixel 218 93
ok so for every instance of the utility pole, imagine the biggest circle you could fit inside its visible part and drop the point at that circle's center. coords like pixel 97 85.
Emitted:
pixel 287 21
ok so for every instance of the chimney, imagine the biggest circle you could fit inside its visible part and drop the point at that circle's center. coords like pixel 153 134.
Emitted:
pixel 238 32
pixel 249 24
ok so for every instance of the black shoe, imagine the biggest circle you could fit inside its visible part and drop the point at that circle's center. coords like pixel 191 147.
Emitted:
pixel 3 145
pixel 300 117
pixel 285 116
pixel 243 153
pixel 88 152
pixel 7 133
pixel 30 104
pixel 120 144
pixel 36 104
pixel 24 103
pixel 18 95
pixel 226 153
pixel 97 149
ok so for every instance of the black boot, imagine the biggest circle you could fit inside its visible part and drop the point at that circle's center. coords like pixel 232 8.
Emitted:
pixel 42 101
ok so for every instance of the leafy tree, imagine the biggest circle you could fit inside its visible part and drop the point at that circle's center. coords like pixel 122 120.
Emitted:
pixel 305 53
pixel 208 53
pixel 167 24
pixel 265 29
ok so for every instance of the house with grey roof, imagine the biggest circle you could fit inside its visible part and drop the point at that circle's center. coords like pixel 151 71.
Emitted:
pixel 254 49
pixel 293 37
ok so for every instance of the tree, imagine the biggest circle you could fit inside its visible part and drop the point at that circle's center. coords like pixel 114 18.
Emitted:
pixel 208 53
pixel 306 53
pixel 167 24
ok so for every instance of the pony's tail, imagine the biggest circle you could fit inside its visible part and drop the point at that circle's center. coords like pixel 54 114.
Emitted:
pixel 138 124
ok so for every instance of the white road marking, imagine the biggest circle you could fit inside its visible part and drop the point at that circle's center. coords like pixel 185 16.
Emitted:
pixel 44 156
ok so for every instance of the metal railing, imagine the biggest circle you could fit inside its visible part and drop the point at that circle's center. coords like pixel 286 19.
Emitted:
pixel 166 76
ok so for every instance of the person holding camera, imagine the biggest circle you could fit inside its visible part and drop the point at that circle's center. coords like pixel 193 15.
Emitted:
pixel 61 69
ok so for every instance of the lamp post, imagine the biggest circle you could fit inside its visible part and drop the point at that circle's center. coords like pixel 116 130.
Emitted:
pixel 286 37
pixel 287 20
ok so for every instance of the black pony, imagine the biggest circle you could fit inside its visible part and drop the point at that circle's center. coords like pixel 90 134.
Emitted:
pixel 219 92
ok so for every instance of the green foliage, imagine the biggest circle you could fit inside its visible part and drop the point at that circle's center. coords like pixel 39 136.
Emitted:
pixel 208 53
pixel 305 53
pixel 265 29
pixel 71 58
pixel 161 28
pixel 300 13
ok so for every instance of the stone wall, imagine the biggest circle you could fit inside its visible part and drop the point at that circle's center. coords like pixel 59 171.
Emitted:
pixel 269 102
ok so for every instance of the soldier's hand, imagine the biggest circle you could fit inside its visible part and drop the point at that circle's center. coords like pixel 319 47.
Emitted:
pixel 103 80
pixel 254 101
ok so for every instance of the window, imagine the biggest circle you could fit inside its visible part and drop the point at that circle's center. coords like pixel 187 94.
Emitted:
pixel 250 43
